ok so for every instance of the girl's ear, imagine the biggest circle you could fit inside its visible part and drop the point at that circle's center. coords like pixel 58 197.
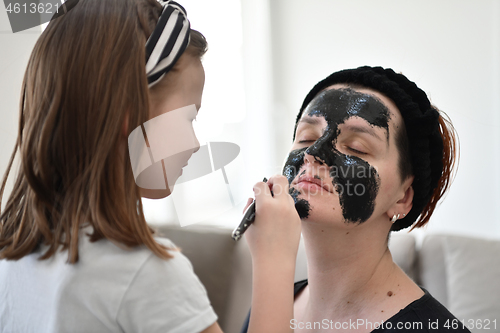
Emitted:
pixel 125 126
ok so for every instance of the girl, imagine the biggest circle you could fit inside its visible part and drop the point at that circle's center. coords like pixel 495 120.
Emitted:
pixel 76 254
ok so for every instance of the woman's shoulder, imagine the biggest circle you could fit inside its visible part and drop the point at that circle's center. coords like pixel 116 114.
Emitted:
pixel 425 314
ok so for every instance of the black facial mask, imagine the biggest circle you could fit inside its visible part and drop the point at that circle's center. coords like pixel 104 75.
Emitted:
pixel 354 179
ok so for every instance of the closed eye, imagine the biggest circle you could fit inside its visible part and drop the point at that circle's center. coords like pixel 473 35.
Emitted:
pixel 356 151
pixel 306 141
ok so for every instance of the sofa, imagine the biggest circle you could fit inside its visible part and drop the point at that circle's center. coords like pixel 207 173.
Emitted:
pixel 463 273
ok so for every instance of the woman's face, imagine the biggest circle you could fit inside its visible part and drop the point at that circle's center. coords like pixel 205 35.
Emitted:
pixel 344 160
pixel 174 104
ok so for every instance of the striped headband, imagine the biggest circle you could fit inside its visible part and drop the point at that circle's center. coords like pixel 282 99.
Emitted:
pixel 168 41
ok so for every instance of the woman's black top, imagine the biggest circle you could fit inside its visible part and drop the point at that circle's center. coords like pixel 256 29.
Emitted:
pixel 425 314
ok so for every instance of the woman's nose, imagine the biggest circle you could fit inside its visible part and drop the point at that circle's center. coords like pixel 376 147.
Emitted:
pixel 308 158
pixel 320 150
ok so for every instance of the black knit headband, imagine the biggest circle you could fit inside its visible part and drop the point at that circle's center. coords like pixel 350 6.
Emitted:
pixel 421 120
pixel 168 41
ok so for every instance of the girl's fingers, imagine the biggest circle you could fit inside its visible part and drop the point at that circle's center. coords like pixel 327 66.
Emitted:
pixel 261 191
pixel 277 224
pixel 279 185
pixel 249 202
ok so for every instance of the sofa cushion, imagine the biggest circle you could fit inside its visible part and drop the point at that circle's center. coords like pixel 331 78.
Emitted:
pixel 403 251
pixel 473 271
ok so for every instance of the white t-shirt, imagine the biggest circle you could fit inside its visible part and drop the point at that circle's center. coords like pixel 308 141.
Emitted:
pixel 109 289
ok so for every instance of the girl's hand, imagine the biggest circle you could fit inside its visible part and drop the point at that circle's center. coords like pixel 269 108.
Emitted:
pixel 273 239
pixel 275 234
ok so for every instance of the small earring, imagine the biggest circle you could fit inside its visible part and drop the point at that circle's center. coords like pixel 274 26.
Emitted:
pixel 395 218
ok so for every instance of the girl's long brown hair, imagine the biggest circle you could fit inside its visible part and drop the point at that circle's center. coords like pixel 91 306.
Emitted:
pixel 86 72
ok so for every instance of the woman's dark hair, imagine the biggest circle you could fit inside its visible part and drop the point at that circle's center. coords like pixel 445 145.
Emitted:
pixel 426 143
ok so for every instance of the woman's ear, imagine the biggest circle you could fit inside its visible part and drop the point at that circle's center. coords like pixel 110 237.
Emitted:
pixel 405 203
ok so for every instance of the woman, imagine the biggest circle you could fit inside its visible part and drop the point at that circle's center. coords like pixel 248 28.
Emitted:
pixel 370 155
pixel 76 254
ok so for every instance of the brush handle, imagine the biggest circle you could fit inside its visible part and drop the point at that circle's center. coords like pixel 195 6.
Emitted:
pixel 246 221
pixel 248 218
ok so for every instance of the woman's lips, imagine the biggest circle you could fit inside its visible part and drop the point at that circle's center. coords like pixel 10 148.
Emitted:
pixel 310 187
pixel 311 183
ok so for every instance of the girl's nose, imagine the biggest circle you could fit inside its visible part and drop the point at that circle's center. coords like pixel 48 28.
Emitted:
pixel 196 144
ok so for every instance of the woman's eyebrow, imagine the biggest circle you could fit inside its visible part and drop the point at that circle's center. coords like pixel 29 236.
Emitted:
pixel 365 129
pixel 310 120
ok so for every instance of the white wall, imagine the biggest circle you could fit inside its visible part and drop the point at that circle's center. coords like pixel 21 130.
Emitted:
pixel 450 48
pixel 15 50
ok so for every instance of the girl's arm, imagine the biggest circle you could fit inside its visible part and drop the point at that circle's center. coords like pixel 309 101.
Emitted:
pixel 273 240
